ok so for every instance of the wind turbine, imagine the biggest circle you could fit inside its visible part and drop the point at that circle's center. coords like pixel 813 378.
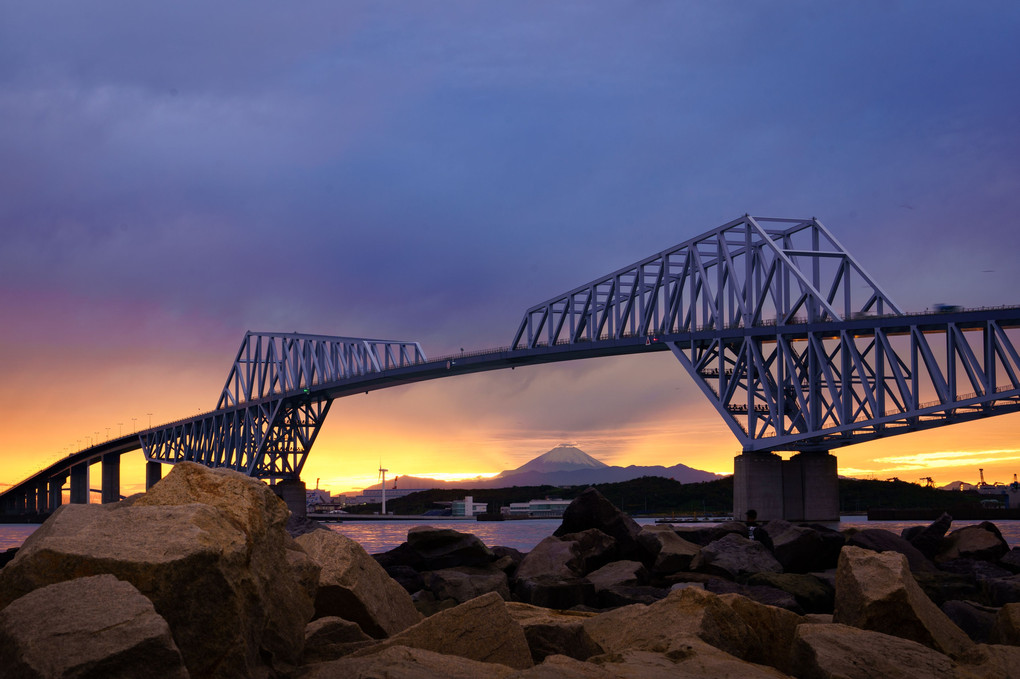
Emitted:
pixel 382 477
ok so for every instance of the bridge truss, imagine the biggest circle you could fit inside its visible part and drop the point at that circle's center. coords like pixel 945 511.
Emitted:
pixel 274 402
pixel 791 339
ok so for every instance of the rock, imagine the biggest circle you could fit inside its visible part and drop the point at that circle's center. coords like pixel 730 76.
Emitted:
pixel 692 659
pixel 558 592
pixel 851 653
pixel 466 583
pixel 554 632
pixel 95 626
pixel 734 556
pixel 974 568
pixel 353 586
pixel 593 548
pixel 619 573
pixel 975 620
pixel 672 552
pixel 941 587
pixel 1006 629
pixel 928 539
pixel 331 638
pixel 999 662
pixel 811 594
pixel 591 510
pixel 625 595
pixel 446 548
pixel 800 549
pixel 879 540
pixel 231 599
pixel 1000 591
pixel 508 559
pixel 731 623
pixel 875 591
pixel 427 603
pixel 763 594
pixel 7 556
pixel 480 629
pixel 1010 561
pixel 551 556
pixel 407 577
pixel 401 662
pixel 703 535
pixel 983 541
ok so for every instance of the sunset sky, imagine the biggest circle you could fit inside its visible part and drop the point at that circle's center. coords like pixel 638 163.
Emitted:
pixel 172 175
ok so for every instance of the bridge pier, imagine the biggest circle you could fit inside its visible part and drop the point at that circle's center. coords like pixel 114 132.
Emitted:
pixel 153 473
pixel 80 484
pixel 111 477
pixel 803 488
pixel 292 492
pixel 56 484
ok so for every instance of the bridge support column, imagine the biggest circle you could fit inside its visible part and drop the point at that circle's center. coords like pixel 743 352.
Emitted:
pixel 153 473
pixel 803 488
pixel 56 491
pixel 293 493
pixel 758 485
pixel 80 484
pixel 111 478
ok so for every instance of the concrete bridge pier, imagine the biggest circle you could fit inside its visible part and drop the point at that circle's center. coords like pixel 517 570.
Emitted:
pixel 153 473
pixel 803 488
pixel 111 477
pixel 56 484
pixel 292 492
pixel 80 484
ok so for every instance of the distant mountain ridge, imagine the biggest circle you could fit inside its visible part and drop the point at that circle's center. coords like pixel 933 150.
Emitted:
pixel 564 465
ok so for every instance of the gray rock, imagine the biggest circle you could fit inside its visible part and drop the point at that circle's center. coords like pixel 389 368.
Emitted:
pixel 928 539
pixel 466 583
pixel 811 593
pixel 593 549
pixel 550 557
pixel 837 650
pixel 95 626
pixel 763 594
pixel 401 662
pixel 672 552
pixel 554 632
pixel 802 549
pixel 975 620
pixel 446 548
pixel 1000 591
pixel 879 540
pixel 1010 560
pixel 556 592
pixel 591 509
pixel 625 595
pixel 734 556
pixel 619 573
pixel 983 541
pixel 331 638
pixel 353 586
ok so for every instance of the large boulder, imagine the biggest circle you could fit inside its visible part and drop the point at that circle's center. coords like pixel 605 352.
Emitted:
pixel 480 629
pixel 331 637
pixel 692 659
pixel 591 509
pixel 881 540
pixel 672 552
pixel 703 535
pixel 555 591
pixel 731 623
pixel 762 594
pixel 554 632
pixel 803 549
pixel 975 620
pixel 403 662
pixel 851 653
pixel 551 556
pixel 811 593
pixel 1006 629
pixel 875 591
pixel 594 549
pixel 734 556
pixel 437 548
pixel 214 558
pixel 928 539
pixel 353 586
pixel 467 582
pixel 618 573
pixel 983 541
pixel 95 626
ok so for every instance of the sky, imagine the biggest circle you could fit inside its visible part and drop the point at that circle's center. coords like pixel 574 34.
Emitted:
pixel 173 175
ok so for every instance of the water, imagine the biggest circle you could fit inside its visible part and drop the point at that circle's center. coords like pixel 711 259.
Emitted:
pixel 380 536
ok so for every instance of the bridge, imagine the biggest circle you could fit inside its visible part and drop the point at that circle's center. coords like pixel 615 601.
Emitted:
pixel 781 328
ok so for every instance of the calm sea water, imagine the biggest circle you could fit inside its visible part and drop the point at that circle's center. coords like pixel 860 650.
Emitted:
pixel 380 536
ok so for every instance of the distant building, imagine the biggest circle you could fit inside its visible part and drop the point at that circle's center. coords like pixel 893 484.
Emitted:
pixel 468 507
pixel 539 508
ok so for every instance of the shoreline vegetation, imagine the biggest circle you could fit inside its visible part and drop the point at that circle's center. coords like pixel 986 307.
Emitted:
pixel 208 575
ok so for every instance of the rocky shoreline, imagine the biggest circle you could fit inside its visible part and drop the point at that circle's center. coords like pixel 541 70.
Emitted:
pixel 202 577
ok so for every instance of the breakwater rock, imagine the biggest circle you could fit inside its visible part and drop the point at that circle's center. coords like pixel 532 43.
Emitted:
pixel 199 577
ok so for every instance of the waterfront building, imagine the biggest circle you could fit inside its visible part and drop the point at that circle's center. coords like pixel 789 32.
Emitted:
pixel 468 507
pixel 539 508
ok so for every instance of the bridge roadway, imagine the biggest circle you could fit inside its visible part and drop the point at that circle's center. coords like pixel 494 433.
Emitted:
pixel 42 492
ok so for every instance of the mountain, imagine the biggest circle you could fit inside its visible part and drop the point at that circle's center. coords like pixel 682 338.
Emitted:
pixel 564 465
pixel 562 458
pixel 958 485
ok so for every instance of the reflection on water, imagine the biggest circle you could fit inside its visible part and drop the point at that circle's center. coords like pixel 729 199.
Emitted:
pixel 380 536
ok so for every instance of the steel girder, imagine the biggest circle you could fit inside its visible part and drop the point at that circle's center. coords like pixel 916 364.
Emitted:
pixel 822 386
pixel 269 439
pixel 741 274
pixel 274 402
pixel 271 363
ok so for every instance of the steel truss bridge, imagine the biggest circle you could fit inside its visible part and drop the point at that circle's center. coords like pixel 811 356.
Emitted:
pixel 781 328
